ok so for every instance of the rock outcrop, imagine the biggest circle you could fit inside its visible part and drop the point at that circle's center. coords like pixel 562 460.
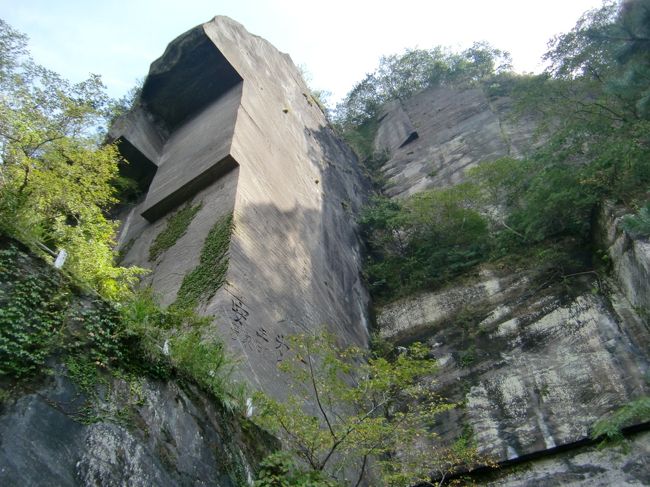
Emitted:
pixel 534 363
pixel 435 136
pixel 161 434
pixel 226 122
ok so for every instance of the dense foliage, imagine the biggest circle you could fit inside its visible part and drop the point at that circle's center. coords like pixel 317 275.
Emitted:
pixel 56 181
pixel 610 428
pixel 43 315
pixel 423 241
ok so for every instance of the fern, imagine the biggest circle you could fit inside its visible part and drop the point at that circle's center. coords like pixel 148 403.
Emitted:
pixel 611 427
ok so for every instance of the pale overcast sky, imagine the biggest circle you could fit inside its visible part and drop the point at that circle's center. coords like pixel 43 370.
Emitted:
pixel 338 41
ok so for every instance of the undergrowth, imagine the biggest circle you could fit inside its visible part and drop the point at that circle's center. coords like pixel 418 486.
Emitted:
pixel 611 428
pixel 43 316
pixel 32 310
pixel 638 225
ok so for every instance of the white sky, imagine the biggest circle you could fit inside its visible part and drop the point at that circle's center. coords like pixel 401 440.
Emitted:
pixel 337 41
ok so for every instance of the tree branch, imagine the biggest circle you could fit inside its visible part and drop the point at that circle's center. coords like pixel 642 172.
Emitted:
pixel 306 451
pixel 513 230
pixel 318 401
pixel 349 431
pixel 363 470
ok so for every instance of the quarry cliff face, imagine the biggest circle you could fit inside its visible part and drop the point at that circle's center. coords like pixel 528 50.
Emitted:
pixel 432 138
pixel 226 123
pixel 533 364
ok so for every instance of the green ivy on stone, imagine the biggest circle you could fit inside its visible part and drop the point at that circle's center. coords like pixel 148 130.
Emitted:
pixel 206 278
pixel 176 227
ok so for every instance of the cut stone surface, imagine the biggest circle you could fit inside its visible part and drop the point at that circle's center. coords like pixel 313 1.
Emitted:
pixel 262 149
pixel 456 129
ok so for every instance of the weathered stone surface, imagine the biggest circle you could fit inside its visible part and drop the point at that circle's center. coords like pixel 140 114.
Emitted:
pixel 395 128
pixel 403 319
pixel 630 257
pixel 292 186
pixel 624 465
pixel 165 436
pixel 533 366
pixel 457 129
pixel 534 371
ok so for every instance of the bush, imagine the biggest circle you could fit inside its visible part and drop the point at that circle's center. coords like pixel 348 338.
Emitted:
pixel 424 241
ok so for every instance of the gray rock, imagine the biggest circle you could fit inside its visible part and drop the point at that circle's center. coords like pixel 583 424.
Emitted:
pixel 170 436
pixel 533 367
pixel 230 123
pixel 533 370
pixel 630 257
pixel 623 465
pixel 457 129
pixel 395 128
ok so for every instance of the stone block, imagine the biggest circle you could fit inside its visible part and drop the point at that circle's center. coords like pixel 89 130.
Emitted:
pixel 245 137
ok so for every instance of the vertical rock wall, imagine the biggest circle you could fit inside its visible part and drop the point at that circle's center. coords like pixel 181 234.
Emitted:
pixel 258 145
pixel 445 131
pixel 533 364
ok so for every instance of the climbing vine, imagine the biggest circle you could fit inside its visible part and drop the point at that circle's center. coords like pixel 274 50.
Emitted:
pixel 206 278
pixel 43 315
pixel 176 227
pixel 32 310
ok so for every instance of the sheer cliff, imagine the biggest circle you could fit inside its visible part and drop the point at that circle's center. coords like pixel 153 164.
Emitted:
pixel 226 124
pixel 533 363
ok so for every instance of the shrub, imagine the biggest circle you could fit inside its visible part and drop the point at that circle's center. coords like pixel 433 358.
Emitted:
pixel 638 225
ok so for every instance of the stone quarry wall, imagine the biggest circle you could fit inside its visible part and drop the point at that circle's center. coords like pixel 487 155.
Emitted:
pixel 247 138
pixel 533 365
pixel 435 136
pixel 533 368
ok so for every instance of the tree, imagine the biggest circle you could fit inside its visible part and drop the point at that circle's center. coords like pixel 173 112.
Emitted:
pixel 424 240
pixel 56 179
pixel 366 412
pixel 589 106
pixel 597 87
